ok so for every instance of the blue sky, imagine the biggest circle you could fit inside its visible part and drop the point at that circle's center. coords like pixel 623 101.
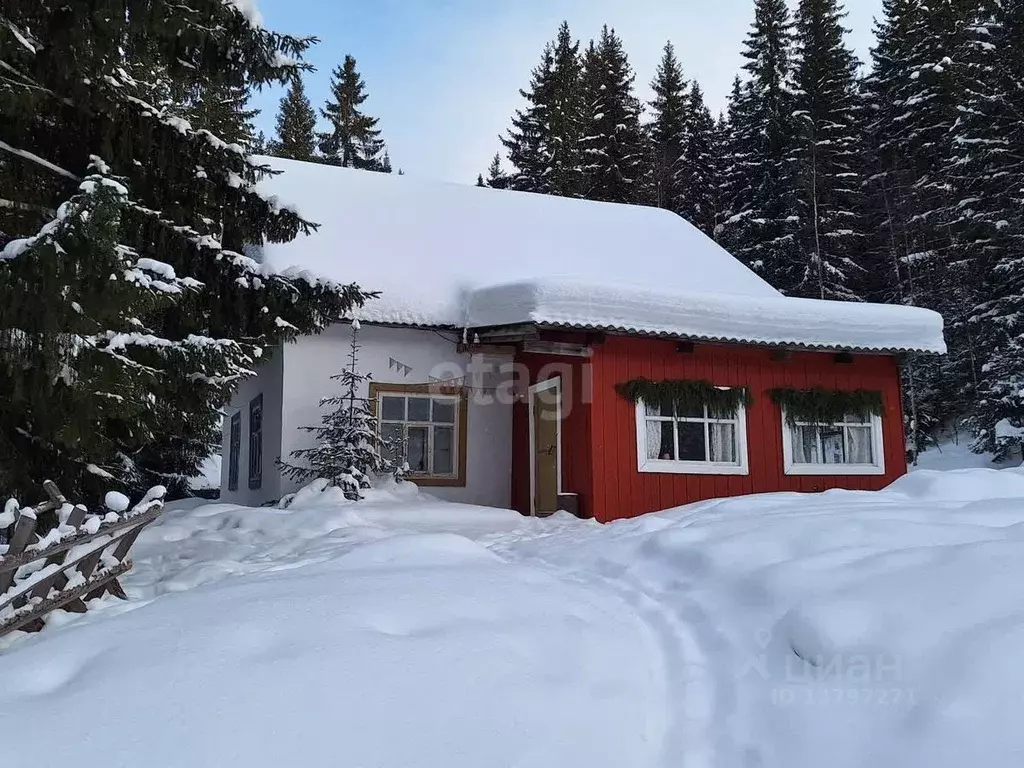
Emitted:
pixel 444 75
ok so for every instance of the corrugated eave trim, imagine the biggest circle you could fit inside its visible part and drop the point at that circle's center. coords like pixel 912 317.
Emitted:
pixel 631 331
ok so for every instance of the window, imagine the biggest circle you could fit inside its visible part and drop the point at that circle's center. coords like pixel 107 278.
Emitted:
pixel 234 450
pixel 852 446
pixel 256 443
pixel 698 441
pixel 426 428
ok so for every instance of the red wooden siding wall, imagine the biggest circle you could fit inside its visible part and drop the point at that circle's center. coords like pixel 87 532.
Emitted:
pixel 620 490
pixel 599 452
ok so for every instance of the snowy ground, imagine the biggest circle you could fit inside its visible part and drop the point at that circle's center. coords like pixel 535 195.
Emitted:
pixel 956 453
pixel 842 629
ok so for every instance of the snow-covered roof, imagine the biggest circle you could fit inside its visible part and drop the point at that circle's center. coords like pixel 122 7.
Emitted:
pixel 456 255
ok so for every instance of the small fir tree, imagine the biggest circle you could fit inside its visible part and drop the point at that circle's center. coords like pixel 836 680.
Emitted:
pixel 348 446
pixel 496 177
pixel 296 125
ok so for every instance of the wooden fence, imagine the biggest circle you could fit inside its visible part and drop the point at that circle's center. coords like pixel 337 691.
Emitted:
pixel 78 560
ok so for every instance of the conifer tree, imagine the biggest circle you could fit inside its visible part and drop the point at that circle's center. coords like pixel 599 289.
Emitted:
pixel 826 155
pixel 296 125
pixel 720 159
pixel 347 447
pixel 986 215
pixel 496 177
pixel 565 122
pixel 543 142
pixel 614 146
pixel 764 220
pixel 696 177
pixel 736 192
pixel 668 130
pixel 353 138
pixel 127 311
pixel 525 142
pixel 914 97
pixel 223 110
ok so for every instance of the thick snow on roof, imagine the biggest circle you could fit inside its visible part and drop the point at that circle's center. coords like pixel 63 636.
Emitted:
pixel 458 255
pixel 772 319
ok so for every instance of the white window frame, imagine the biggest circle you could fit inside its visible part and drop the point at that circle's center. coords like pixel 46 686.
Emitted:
pixel 456 426
pixel 877 451
pixel 678 467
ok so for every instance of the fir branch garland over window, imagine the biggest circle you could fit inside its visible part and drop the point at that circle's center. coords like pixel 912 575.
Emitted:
pixel 687 395
pixel 825 406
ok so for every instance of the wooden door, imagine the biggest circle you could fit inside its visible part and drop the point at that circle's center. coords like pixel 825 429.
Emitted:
pixel 546 450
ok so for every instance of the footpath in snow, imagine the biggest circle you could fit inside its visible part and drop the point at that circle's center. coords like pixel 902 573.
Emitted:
pixel 841 629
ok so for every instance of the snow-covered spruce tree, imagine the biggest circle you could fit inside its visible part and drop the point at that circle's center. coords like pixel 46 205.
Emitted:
pixel 348 446
pixel 765 222
pixel 720 159
pixel 986 173
pixel 734 179
pixel 296 125
pixel 565 117
pixel 525 142
pixel 913 98
pixel 543 142
pixel 826 155
pixel 127 311
pixel 614 146
pixel 668 129
pixel 224 111
pixel 697 174
pixel 353 138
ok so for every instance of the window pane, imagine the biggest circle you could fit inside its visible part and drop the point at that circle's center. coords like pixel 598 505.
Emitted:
pixel 660 442
pixel 419 409
pixel 443 461
pixel 859 444
pixel 854 418
pixel 832 445
pixel 444 412
pixel 416 449
pixel 391 434
pixel 723 442
pixel 805 445
pixel 392 408
pixel 663 408
pixel 691 441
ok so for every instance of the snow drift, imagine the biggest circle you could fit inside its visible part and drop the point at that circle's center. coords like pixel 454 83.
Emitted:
pixel 780 631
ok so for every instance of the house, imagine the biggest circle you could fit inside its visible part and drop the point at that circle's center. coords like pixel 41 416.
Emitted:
pixel 547 353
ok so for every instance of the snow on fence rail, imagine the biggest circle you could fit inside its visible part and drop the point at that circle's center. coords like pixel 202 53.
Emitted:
pixel 78 560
